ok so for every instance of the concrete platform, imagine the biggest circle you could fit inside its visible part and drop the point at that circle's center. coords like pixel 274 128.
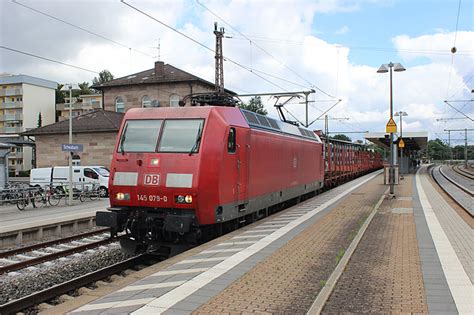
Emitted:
pixel 12 219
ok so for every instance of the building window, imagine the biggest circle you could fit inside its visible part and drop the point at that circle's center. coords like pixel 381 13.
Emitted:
pixel 146 101
pixel 174 100
pixel 119 105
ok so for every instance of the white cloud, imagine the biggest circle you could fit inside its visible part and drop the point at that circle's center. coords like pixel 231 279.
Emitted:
pixel 342 31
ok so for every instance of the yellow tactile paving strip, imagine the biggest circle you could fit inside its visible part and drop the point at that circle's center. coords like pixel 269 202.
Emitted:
pixel 289 280
pixel 384 274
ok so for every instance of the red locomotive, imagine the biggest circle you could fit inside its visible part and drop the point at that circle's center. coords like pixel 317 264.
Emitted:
pixel 184 174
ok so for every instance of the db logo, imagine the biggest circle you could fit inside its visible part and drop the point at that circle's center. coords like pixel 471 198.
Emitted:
pixel 152 179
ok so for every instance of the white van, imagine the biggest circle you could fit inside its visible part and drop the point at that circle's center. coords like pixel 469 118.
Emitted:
pixel 81 176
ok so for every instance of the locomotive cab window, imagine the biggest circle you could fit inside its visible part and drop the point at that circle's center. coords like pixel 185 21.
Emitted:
pixel 231 145
pixel 181 136
pixel 140 136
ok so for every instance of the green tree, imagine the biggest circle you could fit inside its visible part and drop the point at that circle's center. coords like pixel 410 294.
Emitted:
pixel 40 120
pixel 255 105
pixel 104 76
pixel 342 137
pixel 59 94
pixel 84 88
pixel 437 150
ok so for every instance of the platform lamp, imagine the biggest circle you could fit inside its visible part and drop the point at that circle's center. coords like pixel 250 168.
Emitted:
pixel 69 87
pixel 383 69
pixel 401 114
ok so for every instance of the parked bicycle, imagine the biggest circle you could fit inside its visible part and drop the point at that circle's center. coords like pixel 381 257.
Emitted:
pixel 29 196
pixel 49 196
pixel 93 194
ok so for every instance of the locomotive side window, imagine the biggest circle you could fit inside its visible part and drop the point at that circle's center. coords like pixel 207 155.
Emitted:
pixel 181 135
pixel 231 141
pixel 140 136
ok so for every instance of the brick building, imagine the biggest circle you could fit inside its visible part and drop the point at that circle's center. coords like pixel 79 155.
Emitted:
pixel 97 131
pixel 162 86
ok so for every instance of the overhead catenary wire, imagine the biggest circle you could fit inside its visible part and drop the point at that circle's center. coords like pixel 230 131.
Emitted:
pixel 200 44
pixel 265 51
pixel 369 48
pixel 47 59
pixel 82 28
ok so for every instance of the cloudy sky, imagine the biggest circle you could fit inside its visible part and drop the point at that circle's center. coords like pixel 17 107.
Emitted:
pixel 333 46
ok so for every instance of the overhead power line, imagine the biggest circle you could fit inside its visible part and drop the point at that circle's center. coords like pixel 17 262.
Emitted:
pixel 369 48
pixel 81 28
pixel 201 44
pixel 47 59
pixel 264 50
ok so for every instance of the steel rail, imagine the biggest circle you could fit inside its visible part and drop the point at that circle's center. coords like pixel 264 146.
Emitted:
pixel 59 289
pixel 464 173
pixel 52 256
pixel 458 185
pixel 29 248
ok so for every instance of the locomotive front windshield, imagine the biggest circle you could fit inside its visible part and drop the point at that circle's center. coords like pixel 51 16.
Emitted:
pixel 177 136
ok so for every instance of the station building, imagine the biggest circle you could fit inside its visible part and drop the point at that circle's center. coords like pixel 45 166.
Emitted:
pixel 162 86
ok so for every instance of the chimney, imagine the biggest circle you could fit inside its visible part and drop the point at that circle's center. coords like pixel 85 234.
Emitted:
pixel 159 69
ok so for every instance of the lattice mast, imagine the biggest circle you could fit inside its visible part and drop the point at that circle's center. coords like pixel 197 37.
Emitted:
pixel 219 84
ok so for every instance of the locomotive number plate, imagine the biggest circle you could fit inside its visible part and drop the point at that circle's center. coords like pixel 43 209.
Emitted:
pixel 151 179
pixel 155 198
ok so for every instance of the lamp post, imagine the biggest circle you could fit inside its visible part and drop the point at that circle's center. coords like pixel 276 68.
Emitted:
pixel 383 69
pixel 69 87
pixel 401 114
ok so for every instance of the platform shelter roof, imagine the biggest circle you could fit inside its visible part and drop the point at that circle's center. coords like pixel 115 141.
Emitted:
pixel 414 140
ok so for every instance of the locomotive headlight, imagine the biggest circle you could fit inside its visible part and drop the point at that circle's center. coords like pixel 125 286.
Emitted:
pixel 184 199
pixel 122 196
pixel 154 162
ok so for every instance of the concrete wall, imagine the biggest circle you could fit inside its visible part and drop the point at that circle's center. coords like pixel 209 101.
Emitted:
pixel 98 149
pixel 133 94
pixel 37 100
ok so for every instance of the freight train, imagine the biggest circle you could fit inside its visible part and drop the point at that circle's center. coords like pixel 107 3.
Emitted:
pixel 186 174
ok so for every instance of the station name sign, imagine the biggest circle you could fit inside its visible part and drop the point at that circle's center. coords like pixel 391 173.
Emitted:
pixel 71 147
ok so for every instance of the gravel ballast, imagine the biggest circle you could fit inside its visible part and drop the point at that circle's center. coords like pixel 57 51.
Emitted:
pixel 19 284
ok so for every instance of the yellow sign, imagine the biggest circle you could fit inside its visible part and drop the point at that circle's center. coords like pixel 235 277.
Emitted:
pixel 391 126
pixel 401 143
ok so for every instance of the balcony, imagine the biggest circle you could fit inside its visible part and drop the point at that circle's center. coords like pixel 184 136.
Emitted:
pixel 11 105
pixel 11 130
pixel 11 92
pixel 15 117
pixel 15 155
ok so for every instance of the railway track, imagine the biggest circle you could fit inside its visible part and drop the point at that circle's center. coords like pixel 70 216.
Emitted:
pixel 463 172
pixel 457 192
pixel 76 283
pixel 28 256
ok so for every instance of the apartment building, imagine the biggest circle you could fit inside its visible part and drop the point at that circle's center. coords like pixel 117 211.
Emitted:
pixel 81 105
pixel 22 99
